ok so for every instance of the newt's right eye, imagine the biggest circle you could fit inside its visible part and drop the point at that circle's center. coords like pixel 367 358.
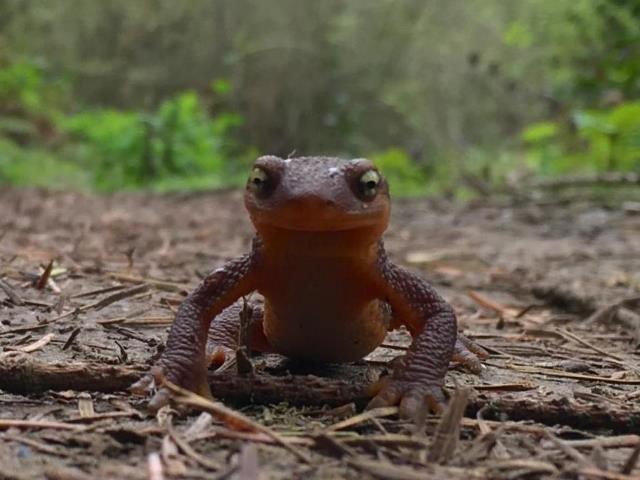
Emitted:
pixel 258 180
pixel 368 184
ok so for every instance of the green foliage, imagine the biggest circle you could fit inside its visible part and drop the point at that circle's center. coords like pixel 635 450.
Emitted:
pixel 179 145
pixel 177 141
pixel 28 99
pixel 29 105
pixel 540 132
pixel 164 95
pixel 403 175
pixel 592 60
pixel 593 141
pixel 605 54
pixel 112 144
pixel 26 166
pixel 22 84
pixel 518 35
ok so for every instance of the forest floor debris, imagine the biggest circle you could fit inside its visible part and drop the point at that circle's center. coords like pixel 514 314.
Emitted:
pixel 90 284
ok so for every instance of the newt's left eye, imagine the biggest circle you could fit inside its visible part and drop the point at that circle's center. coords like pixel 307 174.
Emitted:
pixel 368 184
pixel 258 180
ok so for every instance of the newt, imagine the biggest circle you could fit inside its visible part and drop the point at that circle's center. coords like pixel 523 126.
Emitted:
pixel 330 291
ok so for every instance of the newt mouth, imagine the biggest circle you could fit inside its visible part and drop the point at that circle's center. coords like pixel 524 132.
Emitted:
pixel 316 225
pixel 314 213
pixel 327 219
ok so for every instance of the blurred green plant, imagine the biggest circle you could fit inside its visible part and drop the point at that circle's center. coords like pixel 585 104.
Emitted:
pixel 177 141
pixel 591 58
pixel 28 101
pixel 590 141
pixel 24 86
pixel 505 90
pixel 180 145
pixel 38 167
pixel 403 175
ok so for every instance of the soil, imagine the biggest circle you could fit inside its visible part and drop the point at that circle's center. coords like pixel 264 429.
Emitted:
pixel 551 289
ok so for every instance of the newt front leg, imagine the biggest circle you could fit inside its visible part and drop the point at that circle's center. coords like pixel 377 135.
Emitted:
pixel 183 361
pixel 419 378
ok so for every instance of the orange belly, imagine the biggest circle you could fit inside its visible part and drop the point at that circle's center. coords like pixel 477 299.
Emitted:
pixel 325 334
pixel 322 309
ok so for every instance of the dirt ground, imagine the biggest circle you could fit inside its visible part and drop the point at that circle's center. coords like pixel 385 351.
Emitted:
pixel 551 289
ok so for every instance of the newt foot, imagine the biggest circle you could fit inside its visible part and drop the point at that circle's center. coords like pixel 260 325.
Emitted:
pixel 195 381
pixel 411 397
pixel 147 386
pixel 469 354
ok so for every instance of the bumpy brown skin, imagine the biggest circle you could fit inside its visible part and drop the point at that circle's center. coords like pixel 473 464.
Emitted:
pixel 330 291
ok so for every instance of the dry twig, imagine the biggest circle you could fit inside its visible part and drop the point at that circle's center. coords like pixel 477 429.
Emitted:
pixel 190 452
pixel 37 424
pixel 363 417
pixel 631 462
pixel 445 438
pixel 229 416
pixel 44 277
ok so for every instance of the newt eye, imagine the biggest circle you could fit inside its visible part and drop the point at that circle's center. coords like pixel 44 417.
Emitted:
pixel 258 180
pixel 368 184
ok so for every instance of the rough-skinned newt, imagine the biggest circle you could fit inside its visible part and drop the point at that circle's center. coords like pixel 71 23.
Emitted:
pixel 330 291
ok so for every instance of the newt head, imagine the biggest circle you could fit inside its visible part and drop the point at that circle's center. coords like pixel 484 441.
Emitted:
pixel 317 194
